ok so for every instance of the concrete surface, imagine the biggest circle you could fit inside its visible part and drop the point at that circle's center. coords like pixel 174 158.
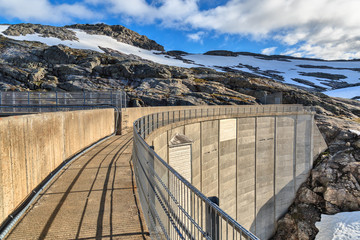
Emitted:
pixel 129 115
pixel 254 163
pixel 32 146
pixel 95 197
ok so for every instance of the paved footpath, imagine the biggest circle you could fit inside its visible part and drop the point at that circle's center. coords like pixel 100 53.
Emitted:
pixel 93 198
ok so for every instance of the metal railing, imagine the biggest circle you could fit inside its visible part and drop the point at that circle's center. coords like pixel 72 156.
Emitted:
pixel 58 101
pixel 172 206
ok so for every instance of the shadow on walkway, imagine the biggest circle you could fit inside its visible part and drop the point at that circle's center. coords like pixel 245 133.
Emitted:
pixel 93 198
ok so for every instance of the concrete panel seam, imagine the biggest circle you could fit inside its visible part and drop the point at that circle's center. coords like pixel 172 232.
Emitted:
pixel 256 137
pixel 11 168
pixel 218 160
pixel 26 162
pixel 236 167
pixel 201 156
pixel 294 152
pixel 312 143
pixel 275 157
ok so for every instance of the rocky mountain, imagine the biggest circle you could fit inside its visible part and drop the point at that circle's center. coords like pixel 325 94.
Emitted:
pixel 334 78
pixel 45 58
pixel 120 33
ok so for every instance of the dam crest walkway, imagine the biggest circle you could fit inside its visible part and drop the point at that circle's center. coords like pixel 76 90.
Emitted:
pixel 94 197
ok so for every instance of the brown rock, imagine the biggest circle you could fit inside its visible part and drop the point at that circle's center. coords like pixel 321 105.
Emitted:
pixel 357 144
pixel 308 196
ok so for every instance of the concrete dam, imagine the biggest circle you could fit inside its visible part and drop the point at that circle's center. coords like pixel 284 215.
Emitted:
pixel 253 163
pixel 249 160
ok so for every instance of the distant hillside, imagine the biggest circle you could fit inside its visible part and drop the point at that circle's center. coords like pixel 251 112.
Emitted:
pixel 335 78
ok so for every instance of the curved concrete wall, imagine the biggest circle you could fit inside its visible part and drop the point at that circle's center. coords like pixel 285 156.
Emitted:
pixel 32 146
pixel 129 115
pixel 254 164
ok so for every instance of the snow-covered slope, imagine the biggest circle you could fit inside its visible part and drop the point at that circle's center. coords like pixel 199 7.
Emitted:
pixel 322 74
pixel 92 42
pixel 344 226
pixel 325 76
pixel 349 92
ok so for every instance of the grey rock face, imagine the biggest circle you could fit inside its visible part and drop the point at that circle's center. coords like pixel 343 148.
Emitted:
pixel 44 31
pixel 57 55
pixel 222 53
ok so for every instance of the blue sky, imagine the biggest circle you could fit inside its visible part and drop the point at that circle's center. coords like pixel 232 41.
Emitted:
pixel 325 29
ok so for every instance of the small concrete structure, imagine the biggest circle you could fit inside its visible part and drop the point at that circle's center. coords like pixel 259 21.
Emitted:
pixel 274 98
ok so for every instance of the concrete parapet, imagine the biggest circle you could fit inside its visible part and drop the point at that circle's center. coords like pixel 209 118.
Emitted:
pixel 32 146
pixel 129 115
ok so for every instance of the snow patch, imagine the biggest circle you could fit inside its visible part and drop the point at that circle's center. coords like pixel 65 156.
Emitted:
pixel 344 226
pixel 349 92
pixel 355 131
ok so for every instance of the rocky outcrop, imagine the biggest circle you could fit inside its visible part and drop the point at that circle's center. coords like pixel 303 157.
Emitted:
pixel 222 53
pixel 35 66
pixel 44 31
pixel 120 33
pixel 333 185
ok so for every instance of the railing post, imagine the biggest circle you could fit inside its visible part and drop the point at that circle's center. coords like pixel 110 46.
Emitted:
pixel 124 99
pixel 56 100
pixel 157 120
pixel 148 125
pixel 39 96
pixel 212 220
pixel 143 130
pixel 152 122
pixel 163 119
pixel 121 100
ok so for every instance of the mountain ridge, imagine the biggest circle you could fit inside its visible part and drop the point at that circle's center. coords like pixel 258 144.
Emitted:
pixel 309 74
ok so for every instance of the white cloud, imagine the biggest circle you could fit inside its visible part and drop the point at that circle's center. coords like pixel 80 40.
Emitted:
pixel 311 27
pixel 169 12
pixel 196 37
pixel 316 28
pixel 43 10
pixel 269 51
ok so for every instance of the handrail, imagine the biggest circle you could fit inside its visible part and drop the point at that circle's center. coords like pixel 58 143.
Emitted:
pixel 172 206
pixel 53 100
